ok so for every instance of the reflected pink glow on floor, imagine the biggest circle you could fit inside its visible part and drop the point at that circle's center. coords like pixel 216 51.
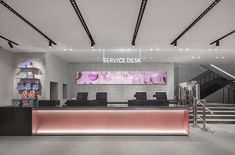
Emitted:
pixel 110 122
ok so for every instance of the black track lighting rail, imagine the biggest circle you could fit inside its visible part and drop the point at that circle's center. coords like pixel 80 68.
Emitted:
pixel 10 42
pixel 26 21
pixel 139 19
pixel 216 42
pixel 79 14
pixel 174 43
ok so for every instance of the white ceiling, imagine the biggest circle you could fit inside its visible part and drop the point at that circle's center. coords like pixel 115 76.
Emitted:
pixel 112 23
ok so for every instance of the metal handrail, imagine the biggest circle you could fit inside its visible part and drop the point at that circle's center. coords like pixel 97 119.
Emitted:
pixel 196 116
pixel 206 125
pixel 205 107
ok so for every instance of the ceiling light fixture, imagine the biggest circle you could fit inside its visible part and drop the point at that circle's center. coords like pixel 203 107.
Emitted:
pixel 79 14
pixel 216 42
pixel 222 71
pixel 25 20
pixel 195 21
pixel 139 19
pixel 50 43
pixel 174 43
pixel 10 43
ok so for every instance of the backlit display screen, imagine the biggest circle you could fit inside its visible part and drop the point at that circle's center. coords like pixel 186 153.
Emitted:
pixel 121 77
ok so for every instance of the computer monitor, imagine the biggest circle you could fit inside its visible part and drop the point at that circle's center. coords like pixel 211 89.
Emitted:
pixel 140 96
pixel 82 96
pixel 101 96
pixel 161 96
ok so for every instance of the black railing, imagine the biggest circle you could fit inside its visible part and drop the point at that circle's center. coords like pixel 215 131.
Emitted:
pixel 206 78
pixel 228 95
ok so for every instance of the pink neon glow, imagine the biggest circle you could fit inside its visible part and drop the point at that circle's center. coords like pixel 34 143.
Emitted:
pixel 167 122
pixel 121 77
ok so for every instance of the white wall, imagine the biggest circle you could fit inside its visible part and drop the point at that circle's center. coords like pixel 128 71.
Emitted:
pixel 6 77
pixel 57 71
pixel 38 60
pixel 121 92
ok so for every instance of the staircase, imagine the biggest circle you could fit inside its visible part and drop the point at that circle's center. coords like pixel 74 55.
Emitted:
pixel 223 114
pixel 212 80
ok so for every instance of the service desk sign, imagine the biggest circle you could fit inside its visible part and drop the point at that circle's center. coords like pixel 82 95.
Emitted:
pixel 122 60
pixel 123 56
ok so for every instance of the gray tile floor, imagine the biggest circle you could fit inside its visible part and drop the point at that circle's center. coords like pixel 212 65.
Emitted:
pixel 222 142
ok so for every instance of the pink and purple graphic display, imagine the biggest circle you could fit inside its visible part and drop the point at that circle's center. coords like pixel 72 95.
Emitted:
pixel 122 77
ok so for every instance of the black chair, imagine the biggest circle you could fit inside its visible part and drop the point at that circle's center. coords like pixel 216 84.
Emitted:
pixel 48 103
pixel 82 96
pixel 101 96
pixel 161 98
pixel 140 96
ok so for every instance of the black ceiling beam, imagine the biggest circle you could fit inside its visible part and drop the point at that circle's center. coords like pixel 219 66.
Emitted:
pixel 26 21
pixel 79 14
pixel 10 42
pixel 195 21
pixel 216 42
pixel 139 19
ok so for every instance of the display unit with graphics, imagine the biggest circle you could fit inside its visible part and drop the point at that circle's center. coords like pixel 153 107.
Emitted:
pixel 29 86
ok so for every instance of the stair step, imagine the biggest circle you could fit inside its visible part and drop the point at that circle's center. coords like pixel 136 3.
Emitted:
pixel 217 113
pixel 217 121
pixel 219 108
pixel 217 116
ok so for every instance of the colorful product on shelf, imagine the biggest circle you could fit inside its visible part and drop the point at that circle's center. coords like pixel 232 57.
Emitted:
pixel 32 94
pixel 26 64
pixel 24 95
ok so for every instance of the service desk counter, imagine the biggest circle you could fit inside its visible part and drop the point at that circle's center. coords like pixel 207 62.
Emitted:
pixel 110 121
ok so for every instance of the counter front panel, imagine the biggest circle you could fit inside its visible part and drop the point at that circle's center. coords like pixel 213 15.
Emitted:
pixel 110 122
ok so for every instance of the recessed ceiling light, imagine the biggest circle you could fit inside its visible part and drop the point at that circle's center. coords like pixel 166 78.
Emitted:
pixel 151 57
pixel 187 49
pixel 222 57
pixel 157 49
pixel 193 57
pixel 180 49
pixel 64 49
pixel 209 49
pixel 151 49
pixel 128 49
pixel 93 49
pixel 99 49
pixel 198 57
pixel 217 57
pixel 71 49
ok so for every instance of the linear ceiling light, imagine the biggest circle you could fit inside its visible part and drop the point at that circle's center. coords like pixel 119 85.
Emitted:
pixel 222 71
pixel 10 43
pixel 26 21
pixel 139 19
pixel 79 14
pixel 217 42
pixel 195 21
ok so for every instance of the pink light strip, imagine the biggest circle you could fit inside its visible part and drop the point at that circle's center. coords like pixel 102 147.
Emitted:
pixel 110 122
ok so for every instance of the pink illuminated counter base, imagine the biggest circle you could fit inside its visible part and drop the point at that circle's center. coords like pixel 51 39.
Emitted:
pixel 110 122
